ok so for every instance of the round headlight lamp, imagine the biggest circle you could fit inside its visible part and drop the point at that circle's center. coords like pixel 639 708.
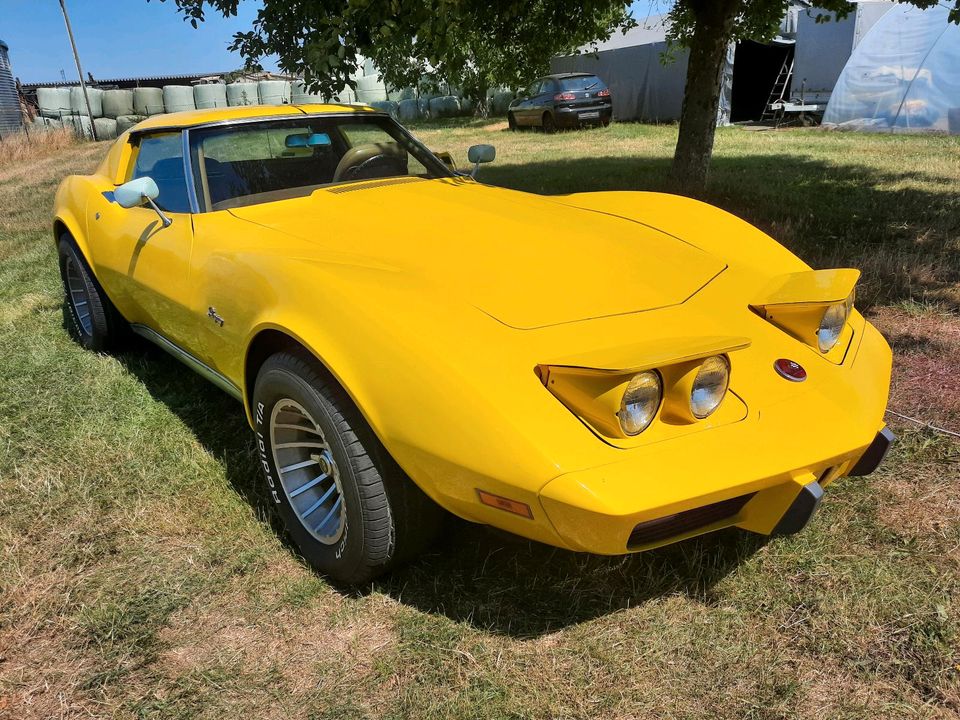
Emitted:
pixel 831 326
pixel 640 402
pixel 709 386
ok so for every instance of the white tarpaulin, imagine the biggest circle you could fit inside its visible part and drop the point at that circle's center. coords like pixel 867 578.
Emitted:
pixel 904 76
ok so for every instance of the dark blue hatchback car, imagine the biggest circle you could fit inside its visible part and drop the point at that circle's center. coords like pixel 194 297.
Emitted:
pixel 565 100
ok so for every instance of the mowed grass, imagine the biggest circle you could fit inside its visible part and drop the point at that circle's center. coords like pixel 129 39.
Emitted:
pixel 143 574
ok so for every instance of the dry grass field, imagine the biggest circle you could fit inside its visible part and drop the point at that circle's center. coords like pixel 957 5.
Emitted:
pixel 143 574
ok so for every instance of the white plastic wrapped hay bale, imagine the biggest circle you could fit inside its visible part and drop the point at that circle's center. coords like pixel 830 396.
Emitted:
pixel 500 101
pixel 299 95
pixel 78 105
pixel 408 110
pixel 125 122
pixel 445 106
pixel 54 102
pixel 177 98
pixel 45 123
pixel 81 124
pixel 423 105
pixel 274 92
pixel 242 93
pixel 148 101
pixel 106 128
pixel 387 106
pixel 117 103
pixel 206 97
pixel 467 106
pixel 347 96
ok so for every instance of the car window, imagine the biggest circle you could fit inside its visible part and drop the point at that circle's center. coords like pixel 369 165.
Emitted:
pixel 583 82
pixel 549 86
pixel 265 161
pixel 533 89
pixel 161 157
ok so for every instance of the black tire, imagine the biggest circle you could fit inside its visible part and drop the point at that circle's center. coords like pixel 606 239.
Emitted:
pixel 549 126
pixel 93 319
pixel 511 122
pixel 385 517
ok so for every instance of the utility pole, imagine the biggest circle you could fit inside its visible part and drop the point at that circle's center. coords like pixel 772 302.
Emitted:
pixel 76 56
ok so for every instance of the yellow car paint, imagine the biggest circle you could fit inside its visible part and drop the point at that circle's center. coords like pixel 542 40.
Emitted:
pixel 444 340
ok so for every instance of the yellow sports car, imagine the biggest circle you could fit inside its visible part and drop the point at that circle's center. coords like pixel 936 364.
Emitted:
pixel 605 372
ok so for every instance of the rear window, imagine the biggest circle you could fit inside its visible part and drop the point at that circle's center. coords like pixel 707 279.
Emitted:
pixel 585 82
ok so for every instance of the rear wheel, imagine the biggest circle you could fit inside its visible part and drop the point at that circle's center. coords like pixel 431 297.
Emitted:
pixel 548 125
pixel 511 121
pixel 94 321
pixel 350 508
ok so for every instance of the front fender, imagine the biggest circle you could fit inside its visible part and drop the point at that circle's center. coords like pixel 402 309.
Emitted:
pixel 70 212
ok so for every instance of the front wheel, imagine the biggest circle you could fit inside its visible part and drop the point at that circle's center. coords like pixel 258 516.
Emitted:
pixel 511 121
pixel 347 504
pixel 95 322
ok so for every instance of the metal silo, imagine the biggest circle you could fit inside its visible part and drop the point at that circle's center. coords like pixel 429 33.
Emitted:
pixel 10 120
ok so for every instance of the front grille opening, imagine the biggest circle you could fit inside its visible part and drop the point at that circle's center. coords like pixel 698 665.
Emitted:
pixel 684 522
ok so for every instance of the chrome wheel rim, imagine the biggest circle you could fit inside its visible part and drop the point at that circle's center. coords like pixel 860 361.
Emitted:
pixel 309 476
pixel 77 295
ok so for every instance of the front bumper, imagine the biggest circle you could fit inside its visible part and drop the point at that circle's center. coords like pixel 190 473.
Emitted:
pixel 764 473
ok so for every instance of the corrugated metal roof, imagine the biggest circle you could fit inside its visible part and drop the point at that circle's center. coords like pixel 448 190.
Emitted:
pixel 143 78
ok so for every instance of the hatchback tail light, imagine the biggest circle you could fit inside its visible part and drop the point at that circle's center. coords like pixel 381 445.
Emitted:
pixel 565 96
pixel 604 93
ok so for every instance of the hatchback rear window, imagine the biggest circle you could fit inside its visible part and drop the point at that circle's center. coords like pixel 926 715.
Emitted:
pixel 585 82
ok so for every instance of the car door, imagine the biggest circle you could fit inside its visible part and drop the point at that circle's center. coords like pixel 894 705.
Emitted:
pixel 521 110
pixel 543 101
pixel 144 265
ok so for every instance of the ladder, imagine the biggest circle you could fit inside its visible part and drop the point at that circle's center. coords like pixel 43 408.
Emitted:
pixel 773 111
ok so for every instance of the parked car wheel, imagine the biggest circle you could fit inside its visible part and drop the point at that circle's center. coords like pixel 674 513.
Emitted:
pixel 548 125
pixel 347 504
pixel 95 323
pixel 511 121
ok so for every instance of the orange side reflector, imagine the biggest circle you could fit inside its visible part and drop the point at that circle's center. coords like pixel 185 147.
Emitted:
pixel 502 503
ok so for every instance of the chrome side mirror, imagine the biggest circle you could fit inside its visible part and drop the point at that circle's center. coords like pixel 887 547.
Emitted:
pixel 480 154
pixel 141 191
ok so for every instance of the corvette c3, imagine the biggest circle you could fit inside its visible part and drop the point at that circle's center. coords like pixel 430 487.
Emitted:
pixel 605 372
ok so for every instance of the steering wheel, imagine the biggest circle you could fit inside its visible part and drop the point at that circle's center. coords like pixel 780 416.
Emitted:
pixel 366 158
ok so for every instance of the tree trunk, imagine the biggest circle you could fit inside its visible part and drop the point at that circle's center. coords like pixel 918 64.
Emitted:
pixel 701 98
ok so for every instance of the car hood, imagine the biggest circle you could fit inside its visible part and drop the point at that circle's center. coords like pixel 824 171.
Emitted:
pixel 528 261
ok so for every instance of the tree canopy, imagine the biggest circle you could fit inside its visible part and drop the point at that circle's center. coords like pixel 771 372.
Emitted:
pixel 474 44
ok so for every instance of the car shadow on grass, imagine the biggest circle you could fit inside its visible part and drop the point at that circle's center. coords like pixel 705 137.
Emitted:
pixel 490 580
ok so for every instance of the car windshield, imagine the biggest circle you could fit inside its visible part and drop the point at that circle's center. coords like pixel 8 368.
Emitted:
pixel 263 161
pixel 582 82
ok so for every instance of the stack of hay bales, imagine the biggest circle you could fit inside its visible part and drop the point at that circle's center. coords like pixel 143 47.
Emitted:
pixel 274 92
pixel 206 97
pixel 242 93
pixel 177 98
pixel 148 101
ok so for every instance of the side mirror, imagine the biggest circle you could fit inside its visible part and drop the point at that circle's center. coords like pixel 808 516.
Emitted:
pixel 141 191
pixel 480 154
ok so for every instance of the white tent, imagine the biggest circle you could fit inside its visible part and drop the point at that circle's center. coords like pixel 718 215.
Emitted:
pixel 904 76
